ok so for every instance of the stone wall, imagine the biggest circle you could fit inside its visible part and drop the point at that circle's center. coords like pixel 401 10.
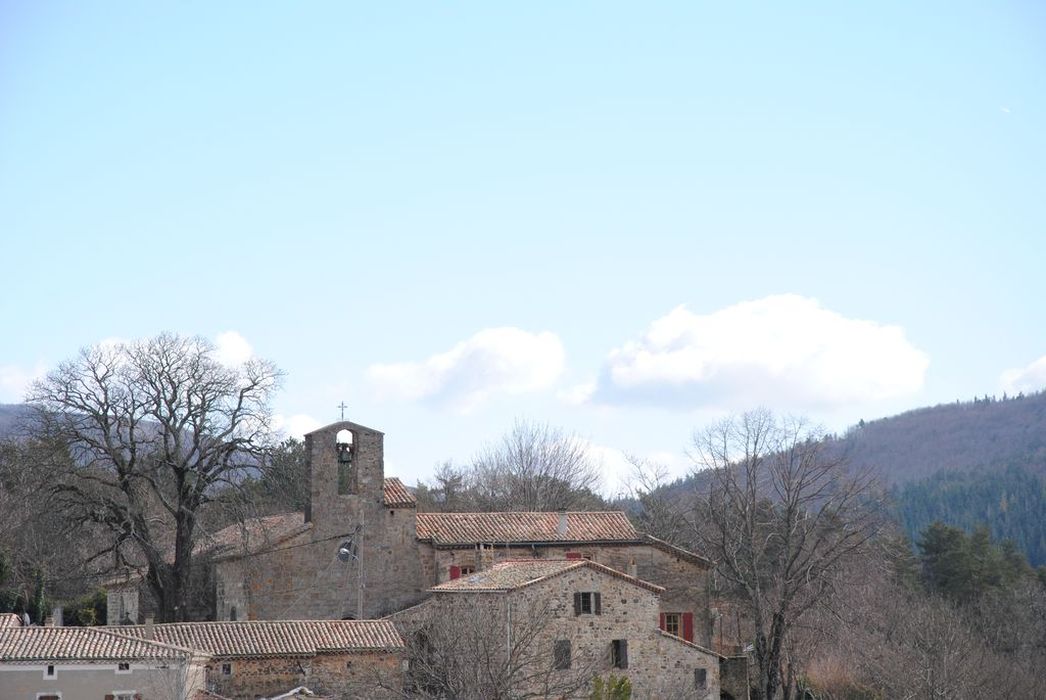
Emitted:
pixel 344 676
pixel 659 665
pixel 686 583
pixel 734 678
pixel 303 578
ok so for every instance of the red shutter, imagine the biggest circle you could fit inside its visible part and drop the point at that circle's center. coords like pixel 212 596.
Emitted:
pixel 573 555
pixel 661 621
pixel 455 572
pixel 688 626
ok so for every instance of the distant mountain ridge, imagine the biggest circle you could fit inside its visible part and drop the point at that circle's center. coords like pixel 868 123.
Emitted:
pixel 953 437
pixel 965 463
pixel 12 416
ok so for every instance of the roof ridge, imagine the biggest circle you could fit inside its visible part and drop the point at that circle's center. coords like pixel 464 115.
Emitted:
pixel 151 642
pixel 257 623
pixel 570 565
pixel 526 512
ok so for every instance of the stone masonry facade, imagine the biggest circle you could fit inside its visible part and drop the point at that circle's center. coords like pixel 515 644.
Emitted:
pixel 347 676
pixel 659 665
pixel 385 566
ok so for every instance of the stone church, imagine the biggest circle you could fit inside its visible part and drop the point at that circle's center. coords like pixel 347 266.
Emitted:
pixel 362 551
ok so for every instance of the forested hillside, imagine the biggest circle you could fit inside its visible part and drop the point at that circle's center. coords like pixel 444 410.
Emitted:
pixel 1010 499
pixel 981 462
pixel 965 464
pixel 986 432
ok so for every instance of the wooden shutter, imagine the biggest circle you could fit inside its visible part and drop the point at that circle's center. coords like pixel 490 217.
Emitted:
pixel 597 603
pixel 624 653
pixel 661 622
pixel 455 572
pixel 577 603
pixel 688 626
pixel 573 555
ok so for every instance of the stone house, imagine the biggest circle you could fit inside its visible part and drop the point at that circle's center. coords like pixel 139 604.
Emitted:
pixel 456 544
pixel 566 621
pixel 345 659
pixel 93 663
pixel 362 551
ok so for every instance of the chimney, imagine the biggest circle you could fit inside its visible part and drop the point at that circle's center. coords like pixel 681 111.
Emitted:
pixel 57 616
pixel 632 569
pixel 484 558
pixel 149 631
pixel 561 526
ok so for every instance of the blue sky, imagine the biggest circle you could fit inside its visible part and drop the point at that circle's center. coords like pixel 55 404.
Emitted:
pixel 623 219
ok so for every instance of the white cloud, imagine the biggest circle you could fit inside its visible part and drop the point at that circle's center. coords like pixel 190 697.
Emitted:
pixel 494 360
pixel 15 380
pixel 295 426
pixel 232 349
pixel 1029 378
pixel 578 394
pixel 784 350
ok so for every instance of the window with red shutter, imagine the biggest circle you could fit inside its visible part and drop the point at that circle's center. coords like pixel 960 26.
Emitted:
pixel 661 621
pixel 688 626
pixel 573 555
pixel 455 572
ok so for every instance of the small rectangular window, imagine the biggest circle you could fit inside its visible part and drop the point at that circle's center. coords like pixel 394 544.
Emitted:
pixel 561 653
pixel 674 624
pixel 619 653
pixel 49 672
pixel 123 667
pixel 468 570
pixel 588 603
pixel 700 678
pixel 226 669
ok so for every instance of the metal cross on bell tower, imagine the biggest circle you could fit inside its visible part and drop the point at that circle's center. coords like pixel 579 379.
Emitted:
pixel 342 406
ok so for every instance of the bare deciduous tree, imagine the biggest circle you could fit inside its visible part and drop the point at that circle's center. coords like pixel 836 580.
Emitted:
pixel 157 430
pixel 780 519
pixel 663 514
pixel 492 649
pixel 534 467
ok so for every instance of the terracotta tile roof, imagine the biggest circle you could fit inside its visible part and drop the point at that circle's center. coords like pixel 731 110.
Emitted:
pixel 397 495
pixel 257 638
pixel 252 535
pixel 473 528
pixel 517 573
pixel 9 620
pixel 80 644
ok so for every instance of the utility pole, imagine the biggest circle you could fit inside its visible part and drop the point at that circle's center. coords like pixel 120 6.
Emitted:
pixel 359 570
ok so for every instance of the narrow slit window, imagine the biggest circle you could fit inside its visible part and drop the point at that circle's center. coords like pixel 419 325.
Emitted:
pixel 619 653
